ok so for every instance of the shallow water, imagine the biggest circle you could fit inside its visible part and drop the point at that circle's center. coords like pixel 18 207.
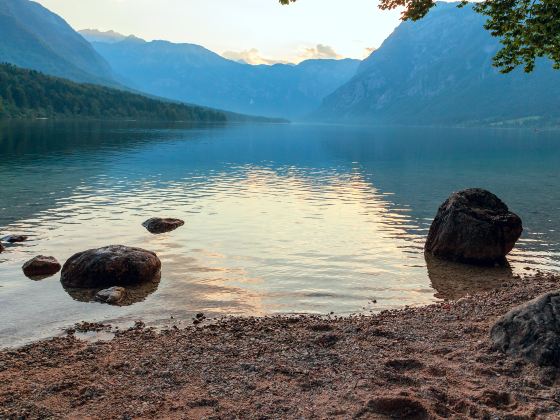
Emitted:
pixel 279 218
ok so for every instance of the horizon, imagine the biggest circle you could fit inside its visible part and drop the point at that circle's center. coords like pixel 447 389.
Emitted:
pixel 360 29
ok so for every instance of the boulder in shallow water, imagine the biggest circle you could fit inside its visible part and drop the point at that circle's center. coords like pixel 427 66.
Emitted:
pixel 473 226
pixel 114 265
pixel 1 247
pixel 531 331
pixel 41 267
pixel 158 225
pixel 14 238
pixel 113 295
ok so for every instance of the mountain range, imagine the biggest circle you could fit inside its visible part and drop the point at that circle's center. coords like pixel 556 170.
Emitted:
pixel 191 73
pixel 439 71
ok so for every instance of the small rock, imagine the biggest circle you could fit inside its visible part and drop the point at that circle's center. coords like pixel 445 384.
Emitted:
pixel 158 225
pixel 473 226
pixel 41 266
pixel 112 295
pixel 14 238
pixel 1 248
pixel 110 266
pixel 531 330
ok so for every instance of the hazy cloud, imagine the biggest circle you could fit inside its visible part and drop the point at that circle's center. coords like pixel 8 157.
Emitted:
pixel 368 52
pixel 251 56
pixel 320 51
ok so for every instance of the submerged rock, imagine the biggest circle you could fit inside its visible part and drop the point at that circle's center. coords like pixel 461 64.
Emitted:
pixel 113 295
pixel 158 225
pixel 41 267
pixel 531 331
pixel 132 294
pixel 473 226
pixel 14 238
pixel 114 265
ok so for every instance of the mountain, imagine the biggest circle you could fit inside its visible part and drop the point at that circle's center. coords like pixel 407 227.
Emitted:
pixel 29 94
pixel 191 73
pixel 33 37
pixel 439 71
pixel 93 35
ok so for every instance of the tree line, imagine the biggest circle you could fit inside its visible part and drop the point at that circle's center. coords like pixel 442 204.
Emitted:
pixel 31 94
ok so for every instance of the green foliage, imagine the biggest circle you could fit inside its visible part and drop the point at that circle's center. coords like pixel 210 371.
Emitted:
pixel 30 94
pixel 528 29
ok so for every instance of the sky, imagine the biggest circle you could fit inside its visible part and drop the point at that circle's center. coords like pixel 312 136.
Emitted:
pixel 257 31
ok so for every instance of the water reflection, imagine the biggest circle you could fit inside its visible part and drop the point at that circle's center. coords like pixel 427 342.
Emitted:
pixel 134 294
pixel 278 218
pixel 453 280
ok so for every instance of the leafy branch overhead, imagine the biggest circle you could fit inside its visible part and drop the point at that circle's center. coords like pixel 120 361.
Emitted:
pixel 528 29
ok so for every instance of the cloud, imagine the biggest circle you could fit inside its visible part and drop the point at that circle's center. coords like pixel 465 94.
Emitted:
pixel 368 52
pixel 318 52
pixel 251 56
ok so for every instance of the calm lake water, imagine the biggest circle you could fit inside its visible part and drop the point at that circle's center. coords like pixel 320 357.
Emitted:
pixel 279 218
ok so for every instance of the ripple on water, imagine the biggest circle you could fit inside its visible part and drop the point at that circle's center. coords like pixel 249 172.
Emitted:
pixel 266 231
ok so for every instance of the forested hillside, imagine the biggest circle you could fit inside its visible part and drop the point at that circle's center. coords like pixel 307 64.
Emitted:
pixel 30 94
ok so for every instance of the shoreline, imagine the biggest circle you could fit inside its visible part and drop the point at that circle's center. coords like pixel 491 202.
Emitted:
pixel 432 361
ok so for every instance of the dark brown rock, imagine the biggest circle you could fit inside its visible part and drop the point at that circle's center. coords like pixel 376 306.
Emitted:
pixel 1 247
pixel 158 225
pixel 473 226
pixel 114 265
pixel 531 331
pixel 113 295
pixel 41 266
pixel 14 238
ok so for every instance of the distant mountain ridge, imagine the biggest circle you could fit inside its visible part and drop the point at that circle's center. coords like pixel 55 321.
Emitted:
pixel 94 35
pixel 194 74
pixel 439 71
pixel 33 37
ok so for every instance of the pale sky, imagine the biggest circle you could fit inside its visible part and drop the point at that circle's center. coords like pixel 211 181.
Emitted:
pixel 257 30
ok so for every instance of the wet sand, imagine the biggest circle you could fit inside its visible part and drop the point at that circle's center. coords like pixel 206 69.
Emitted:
pixel 428 362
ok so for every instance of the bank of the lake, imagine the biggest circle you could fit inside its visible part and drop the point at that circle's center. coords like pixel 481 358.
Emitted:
pixel 429 362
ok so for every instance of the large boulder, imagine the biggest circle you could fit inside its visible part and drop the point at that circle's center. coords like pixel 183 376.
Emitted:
pixel 41 267
pixel 110 266
pixel 157 225
pixel 531 331
pixel 473 226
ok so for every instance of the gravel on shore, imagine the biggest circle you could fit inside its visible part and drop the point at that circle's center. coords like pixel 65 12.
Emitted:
pixel 429 362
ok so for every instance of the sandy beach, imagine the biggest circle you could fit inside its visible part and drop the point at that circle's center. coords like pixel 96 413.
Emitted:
pixel 428 362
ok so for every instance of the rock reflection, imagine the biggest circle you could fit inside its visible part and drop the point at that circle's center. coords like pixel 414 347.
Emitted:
pixel 134 294
pixel 454 280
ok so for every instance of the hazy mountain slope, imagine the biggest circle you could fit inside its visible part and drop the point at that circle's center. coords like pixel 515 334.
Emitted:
pixel 193 74
pixel 439 71
pixel 33 37
pixel 94 35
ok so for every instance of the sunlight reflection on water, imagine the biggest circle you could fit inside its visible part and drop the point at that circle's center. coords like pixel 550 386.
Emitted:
pixel 278 218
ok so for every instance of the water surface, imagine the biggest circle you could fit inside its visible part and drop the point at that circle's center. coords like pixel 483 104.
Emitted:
pixel 279 218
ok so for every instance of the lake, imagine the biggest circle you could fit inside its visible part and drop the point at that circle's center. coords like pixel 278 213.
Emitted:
pixel 279 218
